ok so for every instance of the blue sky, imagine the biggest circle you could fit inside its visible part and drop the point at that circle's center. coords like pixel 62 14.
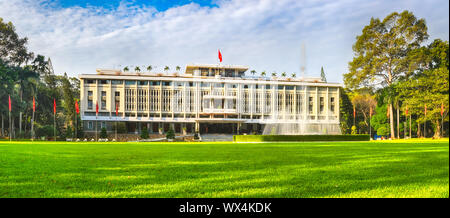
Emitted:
pixel 266 35
pixel 160 5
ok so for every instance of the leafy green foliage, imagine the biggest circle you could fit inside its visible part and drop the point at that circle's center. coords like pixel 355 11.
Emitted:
pixel 69 133
pixel 379 120
pixel 103 133
pixel 170 134
pixel 322 75
pixel 46 131
pixel 298 138
pixel 346 111
pixel 354 130
pixel 144 133
pixel 429 86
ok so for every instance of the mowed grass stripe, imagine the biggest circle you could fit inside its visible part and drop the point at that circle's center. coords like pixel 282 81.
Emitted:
pixel 400 168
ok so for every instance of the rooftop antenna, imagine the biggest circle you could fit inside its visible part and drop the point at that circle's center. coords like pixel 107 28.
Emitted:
pixel 303 61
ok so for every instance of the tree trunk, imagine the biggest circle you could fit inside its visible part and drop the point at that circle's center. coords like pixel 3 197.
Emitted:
pixel 1 134
pixel 391 120
pixel 437 133
pixel 418 130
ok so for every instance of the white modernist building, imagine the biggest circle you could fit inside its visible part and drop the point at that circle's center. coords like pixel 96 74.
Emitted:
pixel 208 99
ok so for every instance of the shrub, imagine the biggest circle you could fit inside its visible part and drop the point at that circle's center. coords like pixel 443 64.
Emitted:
pixel 196 135
pixel 170 134
pixel 383 131
pixel 103 133
pixel 281 138
pixel 46 131
pixel 144 133
pixel 354 130
pixel 69 132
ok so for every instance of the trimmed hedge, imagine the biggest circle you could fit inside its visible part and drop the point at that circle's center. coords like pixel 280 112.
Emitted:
pixel 299 138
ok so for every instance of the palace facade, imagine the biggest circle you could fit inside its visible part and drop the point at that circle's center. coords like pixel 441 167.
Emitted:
pixel 206 99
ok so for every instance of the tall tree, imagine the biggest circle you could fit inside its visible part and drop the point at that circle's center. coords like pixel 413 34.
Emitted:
pixel 322 75
pixel 345 110
pixel 381 51
pixel 364 103
pixel 12 47
pixel 429 86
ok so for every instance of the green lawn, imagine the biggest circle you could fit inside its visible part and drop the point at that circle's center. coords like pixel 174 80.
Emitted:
pixel 411 168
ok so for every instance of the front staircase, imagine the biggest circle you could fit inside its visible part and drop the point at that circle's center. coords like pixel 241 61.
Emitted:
pixel 216 137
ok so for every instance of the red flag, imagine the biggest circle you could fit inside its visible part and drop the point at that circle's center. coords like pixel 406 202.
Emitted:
pixel 117 110
pixel 406 111
pixel 442 109
pixel 34 105
pixel 54 106
pixel 425 110
pixel 96 108
pixel 9 102
pixel 354 112
pixel 77 109
pixel 220 56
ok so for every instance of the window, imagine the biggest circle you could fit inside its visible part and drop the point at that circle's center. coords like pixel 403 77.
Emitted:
pixel 311 104
pixel 103 124
pixel 90 81
pixel 104 82
pixel 116 82
pixel 130 82
pixel 289 87
pixel 332 104
pixel 103 100
pixel 166 83
pixel 191 84
pixel 155 83
pixel 90 126
pixel 116 100
pixel 90 98
pixel 267 86
pixel 143 83
pixel 205 85
pixel 321 104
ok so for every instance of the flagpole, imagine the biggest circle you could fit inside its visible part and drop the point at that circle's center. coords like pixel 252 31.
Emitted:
pixel 370 129
pixel 116 128
pixel 10 127
pixel 32 127
pixel 76 125
pixel 54 126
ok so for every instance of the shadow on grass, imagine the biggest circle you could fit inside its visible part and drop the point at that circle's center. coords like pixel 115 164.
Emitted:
pixel 211 170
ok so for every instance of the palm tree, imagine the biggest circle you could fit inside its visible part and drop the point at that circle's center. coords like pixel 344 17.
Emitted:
pixel 263 74
pixel 126 69
pixel 283 74
pixel 274 74
pixel 253 72
pixel 137 69
pixel 293 75
pixel 149 68
pixel 178 68
pixel 166 68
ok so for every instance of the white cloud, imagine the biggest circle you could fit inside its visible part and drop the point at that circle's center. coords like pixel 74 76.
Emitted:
pixel 265 35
